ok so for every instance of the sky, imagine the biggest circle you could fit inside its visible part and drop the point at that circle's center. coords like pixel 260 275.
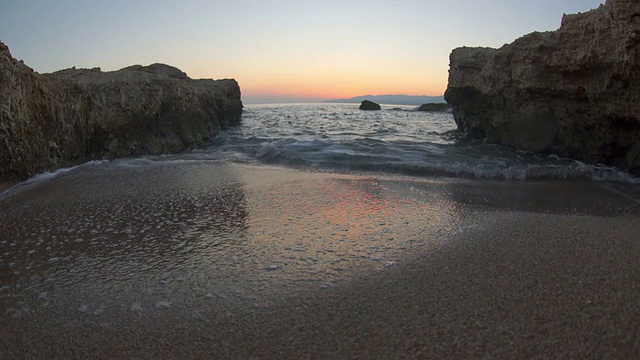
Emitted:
pixel 278 50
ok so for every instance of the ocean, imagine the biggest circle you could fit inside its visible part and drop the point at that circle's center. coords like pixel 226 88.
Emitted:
pixel 397 139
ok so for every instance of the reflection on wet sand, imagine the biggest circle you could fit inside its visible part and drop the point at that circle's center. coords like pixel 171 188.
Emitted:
pixel 315 230
pixel 113 238
pixel 125 248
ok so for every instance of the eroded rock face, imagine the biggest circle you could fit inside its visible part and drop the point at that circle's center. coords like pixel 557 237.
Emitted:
pixel 53 120
pixel 573 92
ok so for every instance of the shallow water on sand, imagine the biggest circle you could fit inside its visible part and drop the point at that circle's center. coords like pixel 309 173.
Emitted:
pixel 113 244
pixel 146 239
pixel 165 234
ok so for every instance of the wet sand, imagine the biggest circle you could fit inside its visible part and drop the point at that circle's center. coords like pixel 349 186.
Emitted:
pixel 214 261
pixel 4 186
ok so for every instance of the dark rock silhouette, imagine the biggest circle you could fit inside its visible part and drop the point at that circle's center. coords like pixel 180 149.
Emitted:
pixel 434 107
pixel 369 105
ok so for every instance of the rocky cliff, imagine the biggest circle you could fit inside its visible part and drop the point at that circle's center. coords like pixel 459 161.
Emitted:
pixel 53 120
pixel 573 92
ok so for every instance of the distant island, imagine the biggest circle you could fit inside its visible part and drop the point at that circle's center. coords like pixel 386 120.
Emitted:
pixel 392 99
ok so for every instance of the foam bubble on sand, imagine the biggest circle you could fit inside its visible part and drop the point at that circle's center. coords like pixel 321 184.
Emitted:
pixel 161 305
pixel 99 310
pixel 135 307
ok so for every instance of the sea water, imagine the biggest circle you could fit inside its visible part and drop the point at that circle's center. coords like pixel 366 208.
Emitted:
pixel 341 138
pixel 397 139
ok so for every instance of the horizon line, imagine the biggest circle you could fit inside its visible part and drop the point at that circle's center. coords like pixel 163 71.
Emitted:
pixel 275 99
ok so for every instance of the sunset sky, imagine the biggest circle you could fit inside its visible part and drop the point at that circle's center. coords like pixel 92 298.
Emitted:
pixel 286 50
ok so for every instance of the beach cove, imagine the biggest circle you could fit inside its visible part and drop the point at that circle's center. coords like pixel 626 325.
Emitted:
pixel 140 259
pixel 150 211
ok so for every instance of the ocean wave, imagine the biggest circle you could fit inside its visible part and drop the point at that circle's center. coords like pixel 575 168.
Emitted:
pixel 423 159
pixel 341 138
pixel 408 142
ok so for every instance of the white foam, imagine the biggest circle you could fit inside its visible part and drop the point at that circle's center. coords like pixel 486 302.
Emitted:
pixel 133 162
pixel 45 176
pixel 49 175
pixel 161 305
pixel 98 311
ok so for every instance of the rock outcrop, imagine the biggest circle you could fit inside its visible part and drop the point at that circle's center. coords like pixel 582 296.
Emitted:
pixel 434 107
pixel 573 92
pixel 369 105
pixel 54 120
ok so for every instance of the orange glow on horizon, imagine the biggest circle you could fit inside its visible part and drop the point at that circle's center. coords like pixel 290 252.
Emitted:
pixel 334 78
pixel 337 90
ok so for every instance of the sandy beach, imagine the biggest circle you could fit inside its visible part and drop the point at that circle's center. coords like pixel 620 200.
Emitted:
pixel 201 260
